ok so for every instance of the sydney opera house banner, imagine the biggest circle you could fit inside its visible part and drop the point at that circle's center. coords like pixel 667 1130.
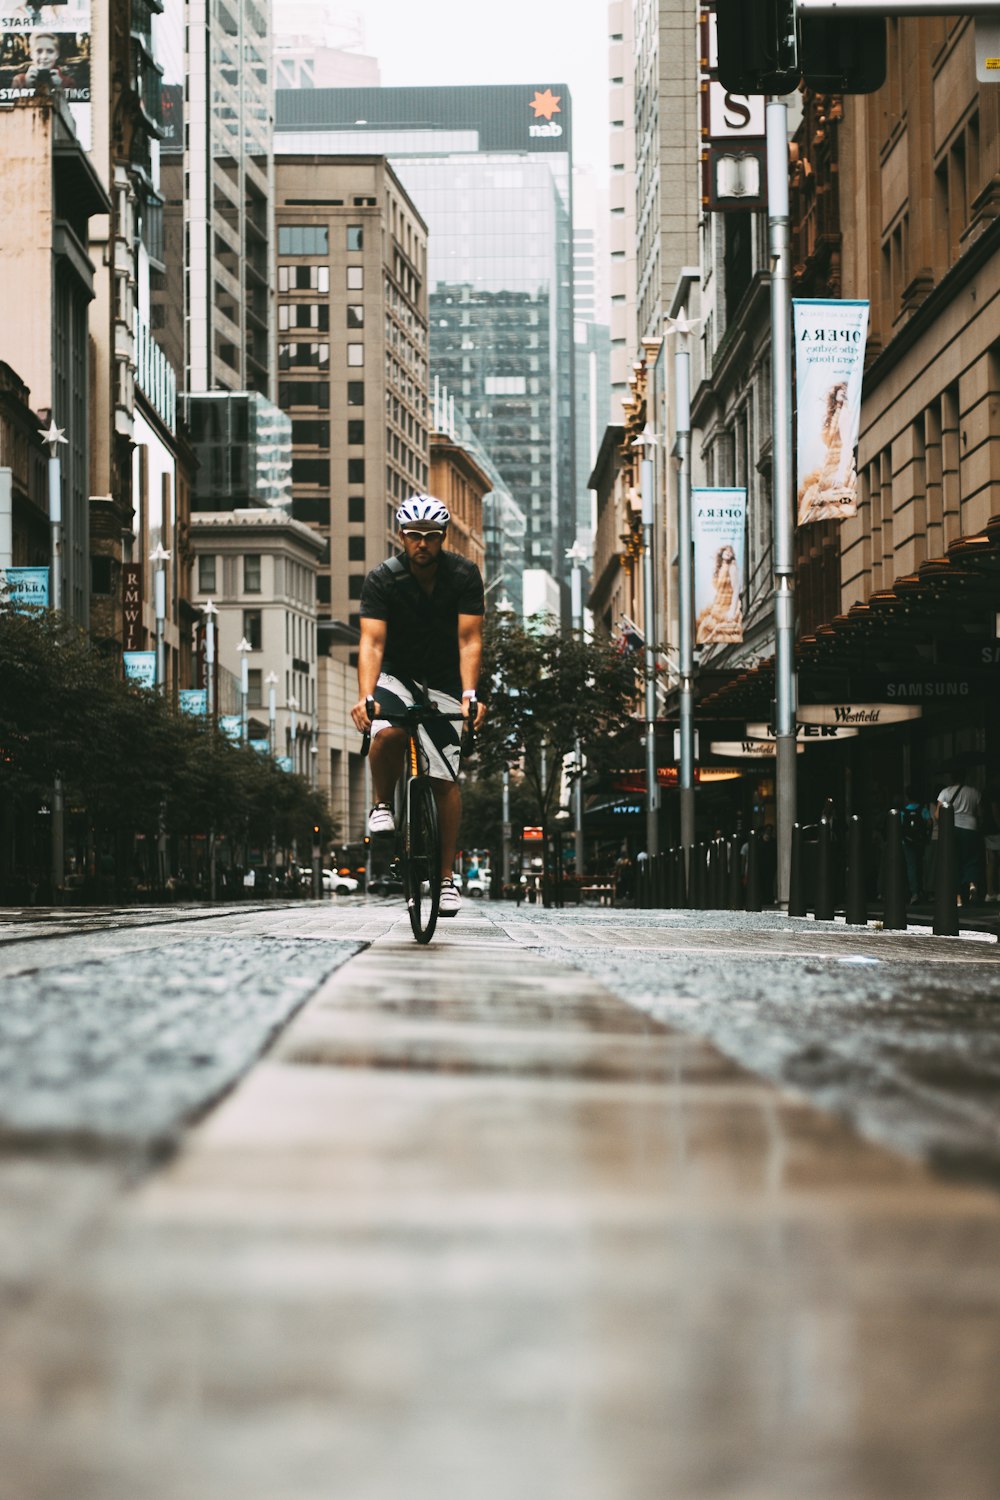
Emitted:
pixel 48 47
pixel 719 525
pixel 830 341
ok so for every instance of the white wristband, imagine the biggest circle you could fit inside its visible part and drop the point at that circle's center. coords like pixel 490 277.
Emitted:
pixel 469 693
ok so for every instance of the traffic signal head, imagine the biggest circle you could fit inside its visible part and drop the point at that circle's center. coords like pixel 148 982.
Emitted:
pixel 765 49
pixel 758 46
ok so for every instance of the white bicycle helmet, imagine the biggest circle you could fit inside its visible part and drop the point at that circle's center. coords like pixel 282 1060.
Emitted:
pixel 422 508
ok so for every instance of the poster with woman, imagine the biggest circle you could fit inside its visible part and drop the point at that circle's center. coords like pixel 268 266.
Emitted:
pixel 829 365
pixel 719 524
pixel 46 49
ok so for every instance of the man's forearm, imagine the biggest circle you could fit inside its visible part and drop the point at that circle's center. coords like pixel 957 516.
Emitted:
pixel 470 660
pixel 370 654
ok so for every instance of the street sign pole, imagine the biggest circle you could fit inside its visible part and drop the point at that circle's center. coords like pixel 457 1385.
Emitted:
pixel 779 236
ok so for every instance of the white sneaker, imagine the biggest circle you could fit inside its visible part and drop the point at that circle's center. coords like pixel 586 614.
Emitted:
pixel 381 819
pixel 451 901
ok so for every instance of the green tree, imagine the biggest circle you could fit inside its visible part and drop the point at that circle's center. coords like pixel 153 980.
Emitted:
pixel 550 692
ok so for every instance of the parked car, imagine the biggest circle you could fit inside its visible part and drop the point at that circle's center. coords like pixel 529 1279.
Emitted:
pixel 388 884
pixel 340 885
pixel 477 886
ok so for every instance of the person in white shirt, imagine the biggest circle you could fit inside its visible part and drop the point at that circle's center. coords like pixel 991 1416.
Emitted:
pixel 965 800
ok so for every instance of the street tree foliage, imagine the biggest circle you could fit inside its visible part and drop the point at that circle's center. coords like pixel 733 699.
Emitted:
pixel 127 757
pixel 547 692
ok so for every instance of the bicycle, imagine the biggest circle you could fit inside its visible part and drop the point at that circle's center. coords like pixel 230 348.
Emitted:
pixel 418 832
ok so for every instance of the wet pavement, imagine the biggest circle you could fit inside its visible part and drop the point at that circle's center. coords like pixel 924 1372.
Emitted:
pixel 493 1217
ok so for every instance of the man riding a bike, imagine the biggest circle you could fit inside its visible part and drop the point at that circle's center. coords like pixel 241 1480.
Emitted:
pixel 421 636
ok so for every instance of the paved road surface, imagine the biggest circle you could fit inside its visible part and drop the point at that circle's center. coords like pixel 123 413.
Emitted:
pixel 493 1218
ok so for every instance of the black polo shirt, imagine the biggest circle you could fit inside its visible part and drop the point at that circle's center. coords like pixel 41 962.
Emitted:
pixel 422 638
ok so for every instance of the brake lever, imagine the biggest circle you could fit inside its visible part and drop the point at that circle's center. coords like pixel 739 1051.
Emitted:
pixel 469 733
pixel 366 739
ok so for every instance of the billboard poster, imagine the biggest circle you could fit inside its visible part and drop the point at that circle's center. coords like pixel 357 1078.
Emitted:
pixel 140 667
pixel 719 525
pixel 830 341
pixel 27 588
pixel 48 47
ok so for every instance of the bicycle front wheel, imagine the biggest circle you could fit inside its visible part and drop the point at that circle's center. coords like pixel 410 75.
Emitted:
pixel 422 858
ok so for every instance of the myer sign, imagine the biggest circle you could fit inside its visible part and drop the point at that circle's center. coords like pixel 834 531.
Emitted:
pixel 858 714
pixel 809 733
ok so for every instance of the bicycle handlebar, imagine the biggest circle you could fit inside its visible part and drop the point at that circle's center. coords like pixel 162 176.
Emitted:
pixel 416 714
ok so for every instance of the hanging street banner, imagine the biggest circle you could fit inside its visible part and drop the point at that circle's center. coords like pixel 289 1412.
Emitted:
pixel 719 525
pixel 27 588
pixel 140 667
pixel 232 727
pixel 830 339
pixel 192 700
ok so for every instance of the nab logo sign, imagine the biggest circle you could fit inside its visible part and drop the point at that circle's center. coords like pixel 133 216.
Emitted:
pixel 545 106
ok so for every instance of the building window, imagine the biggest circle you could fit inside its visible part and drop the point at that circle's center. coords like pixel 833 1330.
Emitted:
pixel 255 688
pixel 356 548
pixel 355 354
pixel 303 239
pixel 311 471
pixel 303 278
pixel 251 573
pixel 303 315
pixel 355 582
pixel 293 356
pixel 355 432
pixel 322 588
pixel 355 507
pixel 313 509
pixel 206 575
pixel 355 471
pixel 355 237
pixel 100 574
pixel 252 628
pixel 304 393
pixel 355 393
pixel 310 434
pixel 355 278
pixel 355 315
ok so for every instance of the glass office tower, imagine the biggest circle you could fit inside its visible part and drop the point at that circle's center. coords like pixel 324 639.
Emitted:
pixel 490 171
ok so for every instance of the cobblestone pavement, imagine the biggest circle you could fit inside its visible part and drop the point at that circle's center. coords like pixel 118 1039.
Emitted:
pixel 475 1226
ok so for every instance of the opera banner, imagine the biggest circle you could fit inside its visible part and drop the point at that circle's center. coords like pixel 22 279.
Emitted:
pixel 830 341
pixel 719 525
pixel 47 48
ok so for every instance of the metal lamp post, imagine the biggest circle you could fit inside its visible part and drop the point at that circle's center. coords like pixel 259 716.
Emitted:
pixel 209 611
pixel 293 708
pixel 647 441
pixel 52 437
pixel 160 555
pixel 681 327
pixel 244 648
pixel 506 612
pixel 272 710
pixel 578 556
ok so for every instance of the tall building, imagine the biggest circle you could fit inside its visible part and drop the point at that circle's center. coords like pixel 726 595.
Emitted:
pixel 352 358
pixel 490 170
pixel 319 44
pixel 214 297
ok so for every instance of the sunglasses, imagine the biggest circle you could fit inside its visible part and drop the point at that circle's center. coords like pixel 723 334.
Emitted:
pixel 418 535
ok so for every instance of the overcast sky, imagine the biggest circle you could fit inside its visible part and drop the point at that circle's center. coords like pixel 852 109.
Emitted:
pixel 513 41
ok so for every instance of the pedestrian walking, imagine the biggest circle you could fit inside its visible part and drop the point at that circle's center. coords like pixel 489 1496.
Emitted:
pixel 966 801
pixel 915 822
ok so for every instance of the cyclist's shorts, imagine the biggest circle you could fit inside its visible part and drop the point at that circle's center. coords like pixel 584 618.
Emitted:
pixel 441 740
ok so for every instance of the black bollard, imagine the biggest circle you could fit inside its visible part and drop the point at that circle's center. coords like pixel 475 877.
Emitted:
pixel 796 888
pixel 946 875
pixel 894 915
pixel 681 887
pixel 670 878
pixel 856 905
pixel 824 873
pixel 699 878
pixel 735 902
pixel 753 900
pixel 713 875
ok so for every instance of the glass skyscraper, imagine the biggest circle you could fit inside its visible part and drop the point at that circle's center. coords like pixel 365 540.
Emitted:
pixel 490 171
